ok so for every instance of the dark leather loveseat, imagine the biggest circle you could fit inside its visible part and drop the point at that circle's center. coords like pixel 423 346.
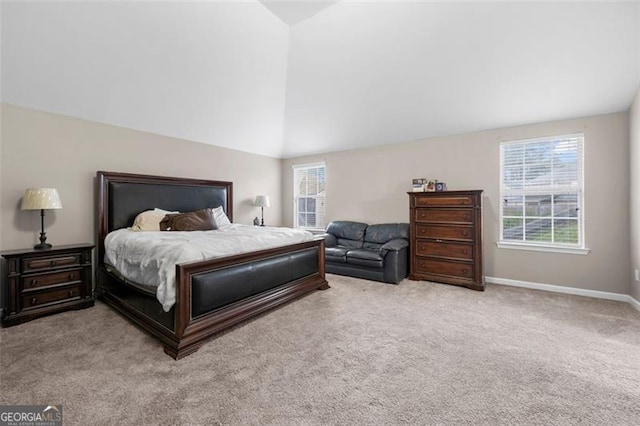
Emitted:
pixel 374 252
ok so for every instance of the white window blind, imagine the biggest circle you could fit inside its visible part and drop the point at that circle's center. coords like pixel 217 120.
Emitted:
pixel 541 191
pixel 309 196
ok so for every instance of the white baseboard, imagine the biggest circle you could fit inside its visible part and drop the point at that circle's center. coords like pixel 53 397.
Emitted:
pixel 567 290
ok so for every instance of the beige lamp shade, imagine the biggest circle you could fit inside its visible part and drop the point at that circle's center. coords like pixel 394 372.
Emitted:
pixel 262 201
pixel 41 199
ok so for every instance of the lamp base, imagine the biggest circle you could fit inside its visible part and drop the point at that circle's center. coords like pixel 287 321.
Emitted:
pixel 43 235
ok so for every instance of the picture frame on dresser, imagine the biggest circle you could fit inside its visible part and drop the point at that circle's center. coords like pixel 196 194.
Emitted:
pixel 441 186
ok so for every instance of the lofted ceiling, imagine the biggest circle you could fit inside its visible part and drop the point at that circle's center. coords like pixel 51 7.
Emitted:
pixel 287 79
pixel 292 12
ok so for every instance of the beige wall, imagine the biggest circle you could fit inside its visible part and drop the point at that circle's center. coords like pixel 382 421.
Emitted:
pixel 634 193
pixel 44 149
pixel 370 185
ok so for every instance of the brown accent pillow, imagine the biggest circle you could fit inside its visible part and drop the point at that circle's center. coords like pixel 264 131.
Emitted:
pixel 200 220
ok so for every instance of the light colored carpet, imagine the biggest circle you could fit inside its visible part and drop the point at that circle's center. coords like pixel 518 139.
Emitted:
pixel 359 353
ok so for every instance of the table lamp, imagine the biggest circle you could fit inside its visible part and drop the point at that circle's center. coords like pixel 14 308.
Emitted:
pixel 262 201
pixel 41 199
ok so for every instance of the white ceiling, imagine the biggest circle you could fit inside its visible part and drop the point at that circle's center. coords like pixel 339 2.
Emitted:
pixel 292 12
pixel 322 76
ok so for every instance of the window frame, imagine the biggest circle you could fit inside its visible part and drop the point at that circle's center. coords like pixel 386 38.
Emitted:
pixel 307 166
pixel 569 248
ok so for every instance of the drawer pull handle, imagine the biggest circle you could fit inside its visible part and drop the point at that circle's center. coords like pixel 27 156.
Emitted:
pixel 464 270
pixel 70 276
pixel 33 300
pixel 465 233
pixel 70 293
pixel 34 283
pixel 53 263
pixel 464 251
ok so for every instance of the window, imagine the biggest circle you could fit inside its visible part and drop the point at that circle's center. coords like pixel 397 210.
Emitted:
pixel 541 192
pixel 309 196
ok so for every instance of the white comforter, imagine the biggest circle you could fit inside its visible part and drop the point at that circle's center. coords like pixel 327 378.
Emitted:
pixel 150 257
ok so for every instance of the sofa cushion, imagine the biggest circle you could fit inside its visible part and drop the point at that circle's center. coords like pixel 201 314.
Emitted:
pixel 393 245
pixel 381 233
pixel 364 257
pixel 329 239
pixel 364 254
pixel 348 233
pixel 371 246
pixel 336 254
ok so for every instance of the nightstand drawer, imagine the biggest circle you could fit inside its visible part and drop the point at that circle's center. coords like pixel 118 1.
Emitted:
pixel 44 280
pixel 37 299
pixel 48 262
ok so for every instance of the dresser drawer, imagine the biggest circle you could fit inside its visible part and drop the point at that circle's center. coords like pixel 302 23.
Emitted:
pixel 452 250
pixel 44 280
pixel 458 233
pixel 444 215
pixel 48 262
pixel 446 200
pixel 442 267
pixel 42 298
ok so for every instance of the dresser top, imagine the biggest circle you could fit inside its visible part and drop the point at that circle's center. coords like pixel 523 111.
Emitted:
pixel 52 250
pixel 444 193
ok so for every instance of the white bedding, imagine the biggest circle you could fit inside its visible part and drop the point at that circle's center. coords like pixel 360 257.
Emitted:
pixel 149 258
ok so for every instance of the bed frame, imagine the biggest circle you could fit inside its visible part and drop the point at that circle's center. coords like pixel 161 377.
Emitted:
pixel 212 295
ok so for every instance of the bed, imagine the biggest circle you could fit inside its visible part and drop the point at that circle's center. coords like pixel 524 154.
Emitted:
pixel 212 295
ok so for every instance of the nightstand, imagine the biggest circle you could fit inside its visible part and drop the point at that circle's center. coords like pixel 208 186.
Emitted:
pixel 45 282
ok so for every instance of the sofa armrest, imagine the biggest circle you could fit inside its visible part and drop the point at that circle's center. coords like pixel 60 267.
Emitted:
pixel 396 244
pixel 330 240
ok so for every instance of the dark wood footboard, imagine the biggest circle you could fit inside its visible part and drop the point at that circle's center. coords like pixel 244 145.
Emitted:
pixel 276 276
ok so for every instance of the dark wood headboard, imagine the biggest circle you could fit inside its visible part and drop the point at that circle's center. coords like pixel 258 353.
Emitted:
pixel 121 196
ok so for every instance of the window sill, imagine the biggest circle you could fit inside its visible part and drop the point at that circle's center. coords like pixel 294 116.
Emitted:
pixel 542 247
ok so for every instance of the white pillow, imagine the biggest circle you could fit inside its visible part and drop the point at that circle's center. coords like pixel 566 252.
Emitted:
pixel 164 211
pixel 220 217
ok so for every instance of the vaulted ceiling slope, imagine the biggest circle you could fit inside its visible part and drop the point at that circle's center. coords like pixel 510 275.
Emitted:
pixel 207 72
pixel 339 76
pixel 293 12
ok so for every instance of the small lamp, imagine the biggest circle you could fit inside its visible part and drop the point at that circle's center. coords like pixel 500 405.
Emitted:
pixel 41 199
pixel 262 201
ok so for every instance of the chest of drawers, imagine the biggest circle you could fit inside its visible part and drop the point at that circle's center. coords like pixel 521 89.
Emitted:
pixel 446 237
pixel 44 282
